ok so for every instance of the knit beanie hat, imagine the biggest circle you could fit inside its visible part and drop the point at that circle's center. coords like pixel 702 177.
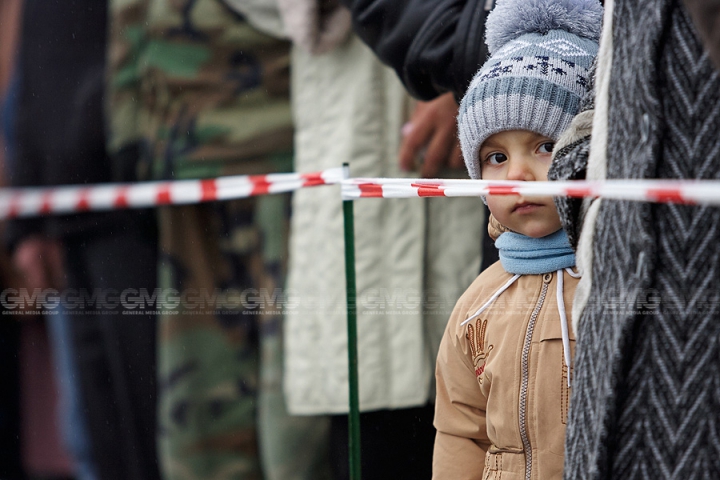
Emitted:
pixel 541 52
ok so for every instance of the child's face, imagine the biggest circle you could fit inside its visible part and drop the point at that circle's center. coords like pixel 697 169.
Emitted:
pixel 524 156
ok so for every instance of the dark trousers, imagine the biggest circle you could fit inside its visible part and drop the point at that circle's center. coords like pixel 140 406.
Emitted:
pixel 115 352
pixel 10 465
pixel 394 444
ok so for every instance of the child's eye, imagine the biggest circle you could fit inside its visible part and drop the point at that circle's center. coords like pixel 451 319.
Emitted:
pixel 546 147
pixel 496 158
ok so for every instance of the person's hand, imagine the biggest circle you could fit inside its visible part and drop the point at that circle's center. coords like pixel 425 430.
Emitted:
pixel 39 261
pixel 431 134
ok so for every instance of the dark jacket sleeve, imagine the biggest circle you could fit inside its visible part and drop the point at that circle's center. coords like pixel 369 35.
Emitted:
pixel 435 46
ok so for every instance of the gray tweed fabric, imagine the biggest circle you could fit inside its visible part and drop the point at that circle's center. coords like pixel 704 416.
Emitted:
pixel 570 159
pixel 646 392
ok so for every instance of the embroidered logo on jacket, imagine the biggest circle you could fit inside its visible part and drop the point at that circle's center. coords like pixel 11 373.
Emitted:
pixel 476 337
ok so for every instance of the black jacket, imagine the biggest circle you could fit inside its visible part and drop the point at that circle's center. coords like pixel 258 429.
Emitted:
pixel 435 46
pixel 59 128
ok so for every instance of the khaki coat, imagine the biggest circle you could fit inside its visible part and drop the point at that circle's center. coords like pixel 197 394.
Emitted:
pixel 502 383
pixel 414 257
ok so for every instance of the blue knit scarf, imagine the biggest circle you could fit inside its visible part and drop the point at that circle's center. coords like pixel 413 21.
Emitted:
pixel 520 254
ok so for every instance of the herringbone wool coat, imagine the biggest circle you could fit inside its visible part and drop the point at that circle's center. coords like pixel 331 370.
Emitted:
pixel 646 390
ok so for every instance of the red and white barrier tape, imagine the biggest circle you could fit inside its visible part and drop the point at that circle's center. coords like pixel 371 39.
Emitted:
pixel 690 192
pixel 31 202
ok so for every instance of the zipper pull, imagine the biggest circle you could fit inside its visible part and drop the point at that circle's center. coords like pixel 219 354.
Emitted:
pixel 547 278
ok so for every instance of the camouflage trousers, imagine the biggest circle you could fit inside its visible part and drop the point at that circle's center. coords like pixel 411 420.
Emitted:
pixel 221 410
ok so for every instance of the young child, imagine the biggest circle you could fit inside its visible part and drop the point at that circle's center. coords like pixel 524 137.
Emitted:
pixel 504 366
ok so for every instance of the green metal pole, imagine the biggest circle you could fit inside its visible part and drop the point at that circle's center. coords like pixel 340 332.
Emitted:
pixel 351 293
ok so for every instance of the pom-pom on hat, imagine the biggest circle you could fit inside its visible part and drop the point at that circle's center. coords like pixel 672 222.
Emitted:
pixel 541 52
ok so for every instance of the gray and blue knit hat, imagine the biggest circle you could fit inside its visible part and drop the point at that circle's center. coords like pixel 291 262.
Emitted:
pixel 541 52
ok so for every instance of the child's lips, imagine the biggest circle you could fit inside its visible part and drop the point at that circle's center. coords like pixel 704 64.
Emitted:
pixel 526 207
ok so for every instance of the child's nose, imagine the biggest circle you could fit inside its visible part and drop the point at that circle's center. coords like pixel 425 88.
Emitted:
pixel 520 169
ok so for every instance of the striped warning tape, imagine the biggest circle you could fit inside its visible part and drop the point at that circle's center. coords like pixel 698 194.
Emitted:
pixel 32 202
pixel 661 191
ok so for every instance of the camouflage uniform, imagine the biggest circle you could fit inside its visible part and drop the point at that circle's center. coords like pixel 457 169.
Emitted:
pixel 201 93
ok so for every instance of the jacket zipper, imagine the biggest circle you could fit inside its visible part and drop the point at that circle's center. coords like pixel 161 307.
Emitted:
pixel 525 374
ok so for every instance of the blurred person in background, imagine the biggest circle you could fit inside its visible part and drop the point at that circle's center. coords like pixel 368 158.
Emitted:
pixel 200 89
pixel 414 257
pixel 106 361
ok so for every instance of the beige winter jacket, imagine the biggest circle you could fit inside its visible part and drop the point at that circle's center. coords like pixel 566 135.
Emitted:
pixel 502 380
